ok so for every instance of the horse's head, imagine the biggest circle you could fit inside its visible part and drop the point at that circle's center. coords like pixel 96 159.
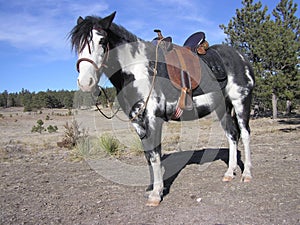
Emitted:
pixel 89 38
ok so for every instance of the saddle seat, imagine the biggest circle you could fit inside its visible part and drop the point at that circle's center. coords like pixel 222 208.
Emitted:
pixel 183 62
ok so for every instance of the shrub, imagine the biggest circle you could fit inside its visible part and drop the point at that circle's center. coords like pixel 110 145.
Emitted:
pixel 39 127
pixel 69 112
pixel 52 129
pixel 27 108
pixel 83 146
pixel 87 148
pixel 71 135
pixel 109 144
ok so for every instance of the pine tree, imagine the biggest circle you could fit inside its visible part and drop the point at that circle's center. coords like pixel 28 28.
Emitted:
pixel 271 45
pixel 244 29
pixel 285 17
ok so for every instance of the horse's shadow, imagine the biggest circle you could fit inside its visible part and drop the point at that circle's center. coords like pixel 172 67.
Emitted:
pixel 174 163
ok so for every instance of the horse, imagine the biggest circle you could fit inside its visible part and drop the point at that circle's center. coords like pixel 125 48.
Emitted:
pixel 138 70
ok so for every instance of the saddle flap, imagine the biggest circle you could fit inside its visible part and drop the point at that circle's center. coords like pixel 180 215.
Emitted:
pixel 183 67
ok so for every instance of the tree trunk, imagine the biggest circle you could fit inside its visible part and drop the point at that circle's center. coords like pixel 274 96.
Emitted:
pixel 288 110
pixel 274 105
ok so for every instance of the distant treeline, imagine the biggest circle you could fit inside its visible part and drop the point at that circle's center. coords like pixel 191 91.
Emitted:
pixel 32 101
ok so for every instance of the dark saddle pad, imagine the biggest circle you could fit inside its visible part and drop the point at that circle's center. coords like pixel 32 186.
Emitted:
pixel 214 61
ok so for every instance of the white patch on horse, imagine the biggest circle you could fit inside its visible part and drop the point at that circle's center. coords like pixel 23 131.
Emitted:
pixel 247 72
pixel 203 100
pixel 232 164
pixel 207 100
pixel 151 108
pixel 234 91
pixel 241 56
pixel 135 64
pixel 138 129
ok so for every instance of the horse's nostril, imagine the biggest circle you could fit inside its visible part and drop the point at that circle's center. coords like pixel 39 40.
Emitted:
pixel 91 82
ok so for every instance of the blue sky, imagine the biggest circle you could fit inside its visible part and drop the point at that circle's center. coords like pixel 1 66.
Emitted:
pixel 35 53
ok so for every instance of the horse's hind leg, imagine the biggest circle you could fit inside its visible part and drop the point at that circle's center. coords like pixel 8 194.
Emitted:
pixel 242 109
pixel 232 134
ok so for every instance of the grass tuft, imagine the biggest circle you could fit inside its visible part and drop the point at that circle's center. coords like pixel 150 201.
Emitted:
pixel 109 144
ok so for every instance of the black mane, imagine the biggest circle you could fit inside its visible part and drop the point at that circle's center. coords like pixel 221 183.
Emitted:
pixel 83 31
pixel 122 33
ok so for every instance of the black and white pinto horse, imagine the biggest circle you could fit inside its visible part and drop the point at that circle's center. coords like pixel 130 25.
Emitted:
pixel 138 71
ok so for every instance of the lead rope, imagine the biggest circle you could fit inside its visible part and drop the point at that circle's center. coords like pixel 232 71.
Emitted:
pixel 114 113
pixel 109 103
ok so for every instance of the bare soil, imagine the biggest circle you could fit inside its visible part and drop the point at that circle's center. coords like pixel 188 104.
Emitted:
pixel 44 184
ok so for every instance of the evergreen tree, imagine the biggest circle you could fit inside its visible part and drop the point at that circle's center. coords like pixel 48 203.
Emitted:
pixel 244 29
pixel 27 100
pixel 271 45
pixel 284 14
pixel 4 98
pixel 11 100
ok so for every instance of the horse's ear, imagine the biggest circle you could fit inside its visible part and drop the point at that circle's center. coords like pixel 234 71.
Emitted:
pixel 79 20
pixel 106 22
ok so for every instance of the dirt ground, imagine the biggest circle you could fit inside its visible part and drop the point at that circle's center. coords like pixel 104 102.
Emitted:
pixel 43 184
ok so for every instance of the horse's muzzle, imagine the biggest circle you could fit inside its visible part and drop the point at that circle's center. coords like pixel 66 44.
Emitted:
pixel 87 87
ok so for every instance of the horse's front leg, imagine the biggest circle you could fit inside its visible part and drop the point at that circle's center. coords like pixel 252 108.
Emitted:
pixel 154 161
pixel 149 131
pixel 152 148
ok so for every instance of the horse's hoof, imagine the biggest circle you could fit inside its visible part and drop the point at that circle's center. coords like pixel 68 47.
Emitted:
pixel 153 203
pixel 246 179
pixel 227 179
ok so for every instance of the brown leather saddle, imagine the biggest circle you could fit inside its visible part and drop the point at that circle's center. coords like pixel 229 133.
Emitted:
pixel 182 63
pixel 183 67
